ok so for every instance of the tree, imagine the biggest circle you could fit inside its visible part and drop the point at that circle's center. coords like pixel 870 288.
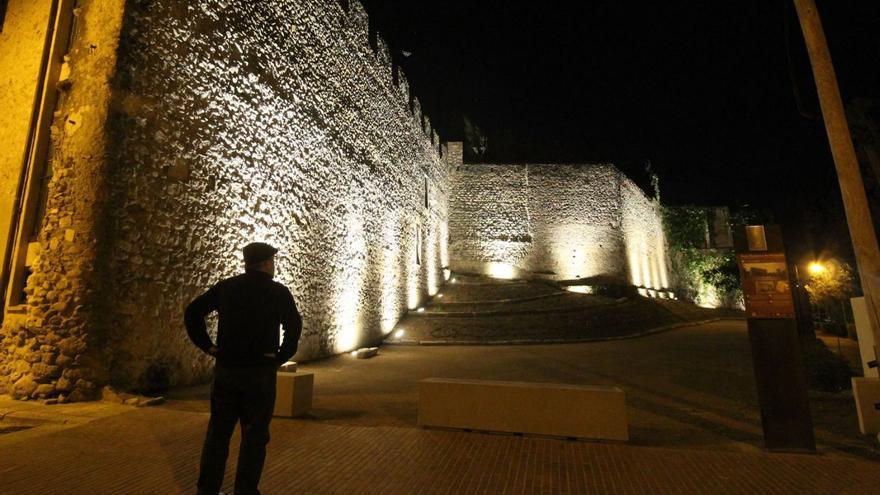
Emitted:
pixel 830 285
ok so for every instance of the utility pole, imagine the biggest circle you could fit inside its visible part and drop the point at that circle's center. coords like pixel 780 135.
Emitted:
pixel 855 202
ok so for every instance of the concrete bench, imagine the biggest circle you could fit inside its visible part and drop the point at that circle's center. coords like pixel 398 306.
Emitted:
pixel 520 407
pixel 293 394
pixel 866 392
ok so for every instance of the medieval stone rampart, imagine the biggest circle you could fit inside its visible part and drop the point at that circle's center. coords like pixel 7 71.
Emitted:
pixel 229 121
pixel 188 128
pixel 555 221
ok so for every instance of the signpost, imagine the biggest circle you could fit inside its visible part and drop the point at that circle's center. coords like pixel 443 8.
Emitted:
pixel 776 356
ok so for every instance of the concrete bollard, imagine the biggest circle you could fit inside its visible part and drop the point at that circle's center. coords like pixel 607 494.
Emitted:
pixel 293 394
pixel 866 392
pixel 366 352
pixel 522 407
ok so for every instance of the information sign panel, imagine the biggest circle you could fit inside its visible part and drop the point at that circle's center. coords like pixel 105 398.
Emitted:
pixel 766 286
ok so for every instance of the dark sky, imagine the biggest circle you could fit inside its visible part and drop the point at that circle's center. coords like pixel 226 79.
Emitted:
pixel 705 91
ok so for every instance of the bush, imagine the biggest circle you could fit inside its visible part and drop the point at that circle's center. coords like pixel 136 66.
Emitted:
pixel 826 371
pixel 834 328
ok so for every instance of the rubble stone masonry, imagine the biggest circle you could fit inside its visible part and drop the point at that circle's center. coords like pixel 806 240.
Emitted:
pixel 556 221
pixel 215 123
pixel 54 347
pixel 188 128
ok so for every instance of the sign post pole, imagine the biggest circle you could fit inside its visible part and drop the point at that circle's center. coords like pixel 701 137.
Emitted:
pixel 773 335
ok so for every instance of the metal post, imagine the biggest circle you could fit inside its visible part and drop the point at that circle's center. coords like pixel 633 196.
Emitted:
pixel 855 202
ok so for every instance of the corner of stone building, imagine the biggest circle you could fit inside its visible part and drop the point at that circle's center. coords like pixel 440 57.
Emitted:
pixel 56 349
pixel 454 155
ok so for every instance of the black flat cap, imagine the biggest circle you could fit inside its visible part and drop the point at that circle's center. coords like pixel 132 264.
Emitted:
pixel 256 252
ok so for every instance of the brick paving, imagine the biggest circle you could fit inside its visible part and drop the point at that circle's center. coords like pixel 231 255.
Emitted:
pixel 691 407
pixel 156 451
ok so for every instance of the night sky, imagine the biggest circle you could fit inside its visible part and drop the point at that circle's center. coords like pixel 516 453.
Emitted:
pixel 704 91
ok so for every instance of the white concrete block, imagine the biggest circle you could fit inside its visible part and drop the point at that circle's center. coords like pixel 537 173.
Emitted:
pixel 866 392
pixel 366 352
pixel 521 407
pixel 293 394
pixel 866 337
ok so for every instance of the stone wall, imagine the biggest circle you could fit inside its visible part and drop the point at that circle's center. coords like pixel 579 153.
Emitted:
pixel 56 346
pixel 22 42
pixel 644 239
pixel 229 122
pixel 272 121
pixel 555 221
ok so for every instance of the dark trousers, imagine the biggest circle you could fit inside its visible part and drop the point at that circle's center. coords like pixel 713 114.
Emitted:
pixel 245 395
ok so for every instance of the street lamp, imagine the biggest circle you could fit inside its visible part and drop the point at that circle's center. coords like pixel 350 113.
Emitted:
pixel 816 268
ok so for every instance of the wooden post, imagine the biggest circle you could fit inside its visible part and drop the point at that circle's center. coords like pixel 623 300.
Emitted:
pixel 855 202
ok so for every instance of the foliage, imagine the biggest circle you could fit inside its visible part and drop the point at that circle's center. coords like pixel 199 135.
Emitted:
pixel 706 276
pixel 724 275
pixel 685 226
pixel 829 292
pixel 750 216
pixel 826 371
pixel 832 285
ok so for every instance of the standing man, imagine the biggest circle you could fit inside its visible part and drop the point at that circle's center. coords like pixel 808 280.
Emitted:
pixel 250 306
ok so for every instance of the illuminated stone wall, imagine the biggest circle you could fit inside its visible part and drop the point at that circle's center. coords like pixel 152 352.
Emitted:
pixel 272 121
pixel 557 221
pixel 54 344
pixel 216 123
pixel 644 238
pixel 21 47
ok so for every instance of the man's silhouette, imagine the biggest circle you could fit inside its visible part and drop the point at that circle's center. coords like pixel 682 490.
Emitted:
pixel 250 306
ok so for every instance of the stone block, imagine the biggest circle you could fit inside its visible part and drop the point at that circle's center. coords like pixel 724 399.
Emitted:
pixel 43 372
pixel 293 394
pixel 521 407
pixel 866 392
pixel 24 387
pixel 151 401
pixel 865 336
pixel 63 385
pixel 44 390
pixel 366 352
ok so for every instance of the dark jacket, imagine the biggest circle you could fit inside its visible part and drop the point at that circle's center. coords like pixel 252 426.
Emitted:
pixel 250 306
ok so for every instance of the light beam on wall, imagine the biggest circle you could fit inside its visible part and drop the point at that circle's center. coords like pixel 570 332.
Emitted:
pixel 431 262
pixel 501 270
pixel 635 274
pixel 444 246
pixel 348 285
pixel 661 259
pixel 412 282
pixel 391 278
pixel 576 251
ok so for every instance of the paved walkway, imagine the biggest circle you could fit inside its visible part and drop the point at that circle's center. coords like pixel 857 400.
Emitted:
pixel 156 451
pixel 691 406
pixel 478 309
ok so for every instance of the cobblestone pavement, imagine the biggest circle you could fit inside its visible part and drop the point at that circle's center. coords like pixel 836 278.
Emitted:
pixel 690 403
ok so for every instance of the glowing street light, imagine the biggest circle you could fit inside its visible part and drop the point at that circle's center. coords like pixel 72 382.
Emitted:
pixel 816 268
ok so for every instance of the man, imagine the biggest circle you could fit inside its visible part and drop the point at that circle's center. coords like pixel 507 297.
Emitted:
pixel 250 306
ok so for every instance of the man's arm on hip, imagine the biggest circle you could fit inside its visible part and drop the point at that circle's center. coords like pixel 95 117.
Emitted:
pixel 194 320
pixel 291 323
